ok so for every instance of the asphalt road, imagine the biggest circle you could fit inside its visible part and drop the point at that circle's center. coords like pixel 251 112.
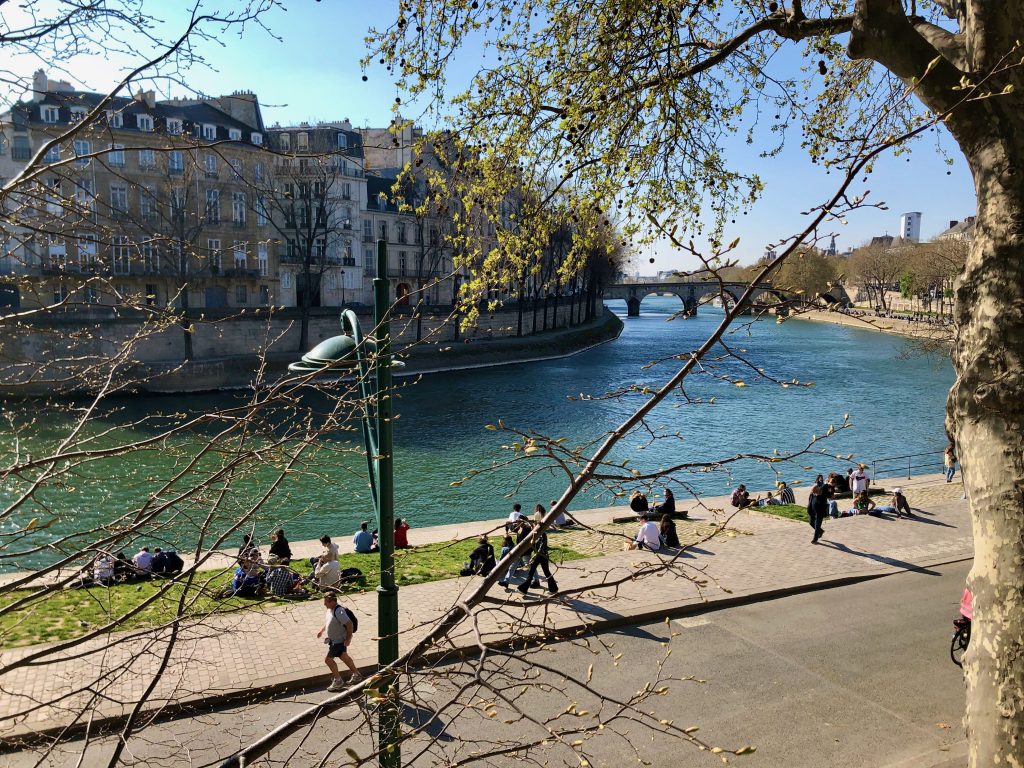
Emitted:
pixel 853 677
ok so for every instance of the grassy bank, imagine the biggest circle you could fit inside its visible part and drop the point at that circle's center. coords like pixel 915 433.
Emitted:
pixel 789 511
pixel 75 612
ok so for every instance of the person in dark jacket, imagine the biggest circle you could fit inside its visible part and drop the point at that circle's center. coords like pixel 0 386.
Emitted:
pixel 481 559
pixel 638 502
pixel 167 563
pixel 817 510
pixel 667 531
pixel 540 558
pixel 280 551
pixel 668 506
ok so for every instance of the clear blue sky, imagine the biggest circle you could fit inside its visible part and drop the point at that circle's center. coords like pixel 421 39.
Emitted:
pixel 313 73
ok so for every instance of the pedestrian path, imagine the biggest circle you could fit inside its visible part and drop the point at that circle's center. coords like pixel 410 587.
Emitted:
pixel 760 556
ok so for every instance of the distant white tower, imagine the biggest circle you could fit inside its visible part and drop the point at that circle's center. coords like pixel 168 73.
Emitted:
pixel 910 226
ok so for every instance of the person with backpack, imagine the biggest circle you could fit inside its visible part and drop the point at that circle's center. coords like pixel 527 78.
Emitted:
pixel 339 626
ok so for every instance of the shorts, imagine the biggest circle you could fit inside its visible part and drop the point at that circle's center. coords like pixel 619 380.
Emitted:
pixel 335 649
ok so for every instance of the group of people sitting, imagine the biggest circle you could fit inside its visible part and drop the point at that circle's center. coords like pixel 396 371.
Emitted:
pixel 108 569
pixel 254 577
pixel 783 495
pixel 639 504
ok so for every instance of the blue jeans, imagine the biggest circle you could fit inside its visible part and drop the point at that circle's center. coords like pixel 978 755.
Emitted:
pixel 950 471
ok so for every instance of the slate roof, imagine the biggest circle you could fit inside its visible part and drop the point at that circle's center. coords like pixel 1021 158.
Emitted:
pixel 191 113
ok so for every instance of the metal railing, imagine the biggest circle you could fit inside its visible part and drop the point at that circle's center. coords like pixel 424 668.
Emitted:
pixel 893 466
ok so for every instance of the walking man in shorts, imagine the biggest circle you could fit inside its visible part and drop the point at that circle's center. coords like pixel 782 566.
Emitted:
pixel 338 628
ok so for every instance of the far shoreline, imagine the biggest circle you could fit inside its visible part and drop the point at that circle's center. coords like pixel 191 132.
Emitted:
pixel 908 329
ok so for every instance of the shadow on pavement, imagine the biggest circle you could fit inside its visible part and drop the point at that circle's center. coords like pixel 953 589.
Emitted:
pixel 428 720
pixel 880 558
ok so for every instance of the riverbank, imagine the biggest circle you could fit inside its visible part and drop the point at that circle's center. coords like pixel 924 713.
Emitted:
pixel 233 656
pixel 937 334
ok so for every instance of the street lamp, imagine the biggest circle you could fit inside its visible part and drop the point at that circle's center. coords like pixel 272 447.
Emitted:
pixel 343 287
pixel 350 351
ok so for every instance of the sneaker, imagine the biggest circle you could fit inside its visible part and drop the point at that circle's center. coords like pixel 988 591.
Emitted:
pixel 524 587
pixel 355 678
pixel 336 685
pixel 503 584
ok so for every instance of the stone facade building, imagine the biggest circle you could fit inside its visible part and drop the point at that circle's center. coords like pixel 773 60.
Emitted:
pixel 137 201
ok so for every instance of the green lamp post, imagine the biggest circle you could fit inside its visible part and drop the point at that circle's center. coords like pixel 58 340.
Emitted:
pixel 350 351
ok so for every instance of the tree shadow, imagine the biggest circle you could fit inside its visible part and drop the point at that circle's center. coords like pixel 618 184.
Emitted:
pixel 592 609
pixel 428 720
pixel 880 558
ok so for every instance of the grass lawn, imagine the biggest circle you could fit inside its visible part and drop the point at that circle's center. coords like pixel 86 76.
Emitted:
pixel 791 511
pixel 74 612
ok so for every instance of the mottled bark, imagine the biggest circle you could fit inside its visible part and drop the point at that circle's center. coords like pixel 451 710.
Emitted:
pixel 986 418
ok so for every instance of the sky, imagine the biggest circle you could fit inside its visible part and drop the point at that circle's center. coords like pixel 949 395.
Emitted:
pixel 307 68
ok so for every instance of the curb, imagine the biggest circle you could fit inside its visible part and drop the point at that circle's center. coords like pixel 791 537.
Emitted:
pixel 21 736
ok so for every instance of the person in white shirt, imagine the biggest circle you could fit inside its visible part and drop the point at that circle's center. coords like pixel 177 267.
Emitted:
pixel 648 537
pixel 143 561
pixel 859 480
pixel 103 569
pixel 516 513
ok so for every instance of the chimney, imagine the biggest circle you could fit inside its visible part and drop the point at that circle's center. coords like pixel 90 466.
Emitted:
pixel 346 125
pixel 953 223
pixel 39 83
pixel 146 97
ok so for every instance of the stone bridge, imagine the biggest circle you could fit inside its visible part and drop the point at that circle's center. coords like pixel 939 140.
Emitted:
pixel 692 293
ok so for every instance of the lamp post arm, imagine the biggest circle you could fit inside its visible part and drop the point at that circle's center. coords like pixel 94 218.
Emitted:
pixel 368 424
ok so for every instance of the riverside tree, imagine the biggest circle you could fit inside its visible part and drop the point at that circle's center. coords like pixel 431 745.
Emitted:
pixel 631 102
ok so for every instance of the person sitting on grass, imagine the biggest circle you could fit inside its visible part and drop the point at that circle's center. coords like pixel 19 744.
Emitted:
pixel 143 562
pixel 167 563
pixel 740 497
pixel 768 501
pixel 667 532
pixel 364 542
pixel 481 560
pixel 786 493
pixel 247 582
pixel 280 551
pixel 284 582
pixel 401 533
pixel 328 574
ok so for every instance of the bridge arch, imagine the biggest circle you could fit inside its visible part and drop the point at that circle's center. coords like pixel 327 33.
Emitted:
pixel 691 293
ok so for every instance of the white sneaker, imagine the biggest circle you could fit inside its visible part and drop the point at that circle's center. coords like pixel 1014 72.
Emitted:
pixel 355 678
pixel 336 685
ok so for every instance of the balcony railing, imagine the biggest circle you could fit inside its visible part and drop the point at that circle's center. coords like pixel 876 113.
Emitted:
pixel 240 272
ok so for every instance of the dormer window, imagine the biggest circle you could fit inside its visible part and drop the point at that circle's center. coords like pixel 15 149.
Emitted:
pixel 145 122
pixel 342 141
pixel 257 139
pixel 209 131
pixel 78 114
pixel 174 126
pixel 114 119
pixel 234 134
pixel 286 141
pixel 302 141
pixel 50 113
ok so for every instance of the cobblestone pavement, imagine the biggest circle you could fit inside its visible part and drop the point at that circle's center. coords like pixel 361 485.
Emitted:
pixel 47 686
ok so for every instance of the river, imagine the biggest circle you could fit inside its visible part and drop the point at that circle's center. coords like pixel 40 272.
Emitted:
pixel 894 402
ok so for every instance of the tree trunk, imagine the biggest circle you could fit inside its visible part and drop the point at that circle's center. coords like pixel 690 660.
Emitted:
pixel 186 323
pixel 519 313
pixel 986 417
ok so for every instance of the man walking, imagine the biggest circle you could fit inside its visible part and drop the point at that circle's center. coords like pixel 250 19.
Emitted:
pixel 817 508
pixel 338 628
pixel 540 559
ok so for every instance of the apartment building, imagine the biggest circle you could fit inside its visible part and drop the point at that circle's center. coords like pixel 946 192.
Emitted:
pixel 316 193
pixel 135 200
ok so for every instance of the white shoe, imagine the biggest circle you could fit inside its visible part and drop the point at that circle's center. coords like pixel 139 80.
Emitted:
pixel 336 685
pixel 355 678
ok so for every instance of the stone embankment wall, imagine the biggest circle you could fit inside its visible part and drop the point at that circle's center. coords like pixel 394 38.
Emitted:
pixel 53 355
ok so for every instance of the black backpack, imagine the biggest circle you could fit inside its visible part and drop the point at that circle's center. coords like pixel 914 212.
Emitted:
pixel 351 617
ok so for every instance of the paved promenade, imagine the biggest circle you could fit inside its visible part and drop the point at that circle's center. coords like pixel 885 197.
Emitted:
pixel 263 650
